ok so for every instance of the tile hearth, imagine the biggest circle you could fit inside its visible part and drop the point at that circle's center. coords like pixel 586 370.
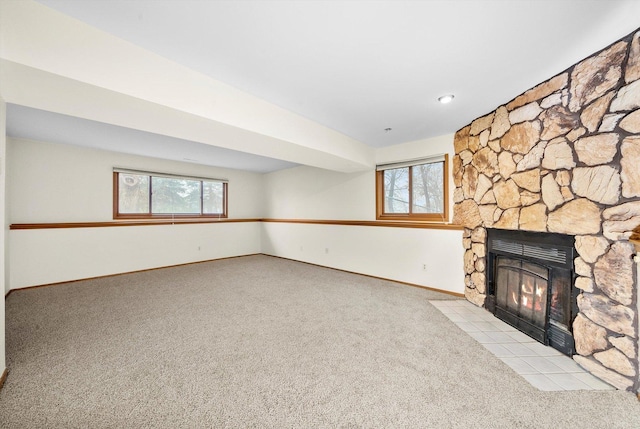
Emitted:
pixel 543 367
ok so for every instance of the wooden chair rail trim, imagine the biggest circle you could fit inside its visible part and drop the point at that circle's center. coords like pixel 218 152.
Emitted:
pixel 124 223
pixel 380 223
pixel 3 377
pixel 377 223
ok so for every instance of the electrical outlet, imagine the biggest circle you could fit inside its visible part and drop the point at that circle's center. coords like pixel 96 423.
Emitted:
pixel 424 267
pixel 326 250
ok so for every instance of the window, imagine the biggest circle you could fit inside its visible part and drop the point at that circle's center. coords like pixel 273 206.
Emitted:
pixel 413 190
pixel 139 194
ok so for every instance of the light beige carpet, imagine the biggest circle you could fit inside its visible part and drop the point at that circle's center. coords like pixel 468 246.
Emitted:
pixel 265 342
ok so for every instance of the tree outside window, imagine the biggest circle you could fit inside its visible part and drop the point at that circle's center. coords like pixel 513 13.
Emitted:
pixel 146 195
pixel 413 190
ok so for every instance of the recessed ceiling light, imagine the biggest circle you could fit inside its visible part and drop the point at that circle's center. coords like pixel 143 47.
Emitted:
pixel 446 98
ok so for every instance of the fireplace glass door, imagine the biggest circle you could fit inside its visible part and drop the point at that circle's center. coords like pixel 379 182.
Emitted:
pixel 530 284
pixel 522 291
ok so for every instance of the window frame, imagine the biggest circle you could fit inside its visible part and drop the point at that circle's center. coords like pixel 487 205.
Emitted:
pixel 426 217
pixel 150 214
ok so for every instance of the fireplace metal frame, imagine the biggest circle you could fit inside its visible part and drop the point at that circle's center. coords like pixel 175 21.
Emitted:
pixel 555 251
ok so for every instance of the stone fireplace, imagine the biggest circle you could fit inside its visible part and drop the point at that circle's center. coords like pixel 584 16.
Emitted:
pixel 563 158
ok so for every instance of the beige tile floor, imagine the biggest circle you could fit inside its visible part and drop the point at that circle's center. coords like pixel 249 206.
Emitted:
pixel 543 367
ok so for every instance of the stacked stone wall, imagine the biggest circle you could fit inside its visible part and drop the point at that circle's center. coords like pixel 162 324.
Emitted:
pixel 564 157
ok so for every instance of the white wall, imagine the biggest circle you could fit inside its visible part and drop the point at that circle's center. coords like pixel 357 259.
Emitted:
pixel 391 253
pixel 50 182
pixel 44 256
pixel 388 252
pixel 3 223
pixel 313 193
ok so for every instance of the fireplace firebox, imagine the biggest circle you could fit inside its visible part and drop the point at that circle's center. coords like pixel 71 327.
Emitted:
pixel 530 284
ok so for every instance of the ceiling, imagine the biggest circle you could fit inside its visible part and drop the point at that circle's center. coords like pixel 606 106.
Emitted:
pixel 57 128
pixel 355 67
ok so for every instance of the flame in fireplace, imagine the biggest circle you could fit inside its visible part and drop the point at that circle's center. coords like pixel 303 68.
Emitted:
pixel 531 296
